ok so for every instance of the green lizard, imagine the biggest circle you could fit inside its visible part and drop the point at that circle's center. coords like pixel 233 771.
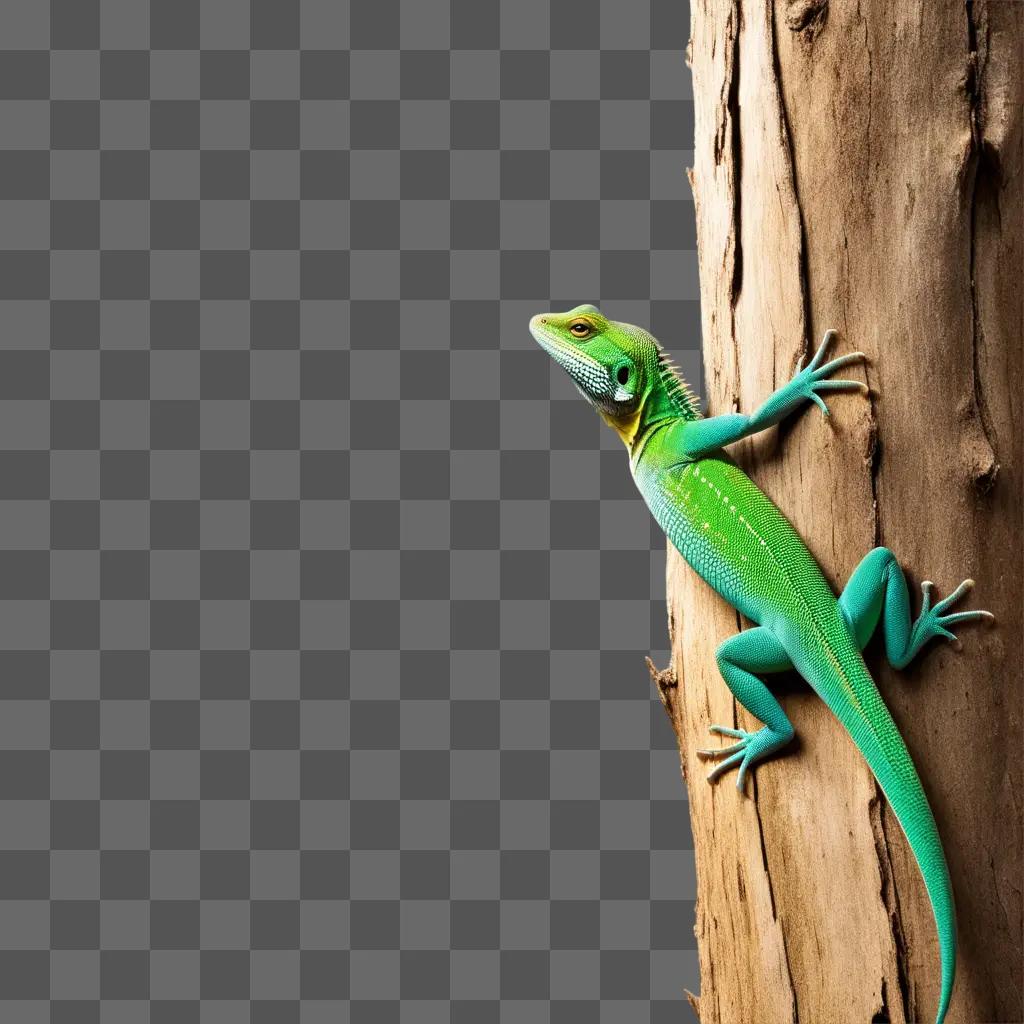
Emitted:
pixel 743 546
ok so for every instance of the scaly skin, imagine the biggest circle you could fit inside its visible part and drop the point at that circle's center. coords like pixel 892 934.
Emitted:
pixel 743 546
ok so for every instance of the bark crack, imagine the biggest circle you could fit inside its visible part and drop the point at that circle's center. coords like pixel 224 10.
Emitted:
pixel 732 112
pixel 890 897
pixel 985 467
pixel 764 854
pixel 803 270
pixel 736 156
pixel 873 459
pixel 881 1015
pixel 771 896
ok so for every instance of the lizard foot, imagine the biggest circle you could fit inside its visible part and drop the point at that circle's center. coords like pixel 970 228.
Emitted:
pixel 750 748
pixel 813 379
pixel 934 622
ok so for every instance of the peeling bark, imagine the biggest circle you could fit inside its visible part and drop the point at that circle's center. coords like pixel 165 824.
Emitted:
pixel 694 1002
pixel 860 167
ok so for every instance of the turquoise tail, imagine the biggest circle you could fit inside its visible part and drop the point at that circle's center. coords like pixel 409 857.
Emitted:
pixel 918 823
pixel 853 698
pixel 880 742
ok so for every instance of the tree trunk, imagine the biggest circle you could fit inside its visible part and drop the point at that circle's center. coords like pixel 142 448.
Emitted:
pixel 858 166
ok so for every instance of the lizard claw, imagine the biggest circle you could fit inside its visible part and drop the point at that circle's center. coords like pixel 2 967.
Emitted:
pixel 723 730
pixel 706 753
pixel 829 337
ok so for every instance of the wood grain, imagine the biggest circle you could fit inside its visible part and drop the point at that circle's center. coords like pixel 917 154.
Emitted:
pixel 858 166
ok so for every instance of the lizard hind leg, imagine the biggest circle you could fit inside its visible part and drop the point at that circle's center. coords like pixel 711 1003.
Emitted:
pixel 739 657
pixel 877 590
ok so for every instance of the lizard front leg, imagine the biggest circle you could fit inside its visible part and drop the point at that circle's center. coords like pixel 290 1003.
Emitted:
pixel 701 437
pixel 739 657
pixel 878 585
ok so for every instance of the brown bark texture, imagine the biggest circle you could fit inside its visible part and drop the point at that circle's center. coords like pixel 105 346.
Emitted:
pixel 858 166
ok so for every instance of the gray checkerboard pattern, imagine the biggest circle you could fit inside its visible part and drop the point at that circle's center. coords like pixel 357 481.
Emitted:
pixel 323 598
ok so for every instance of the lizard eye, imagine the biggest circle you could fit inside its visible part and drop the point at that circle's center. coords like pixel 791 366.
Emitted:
pixel 623 375
pixel 580 329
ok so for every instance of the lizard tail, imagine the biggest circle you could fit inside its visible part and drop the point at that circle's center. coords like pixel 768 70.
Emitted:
pixel 915 816
pixel 876 734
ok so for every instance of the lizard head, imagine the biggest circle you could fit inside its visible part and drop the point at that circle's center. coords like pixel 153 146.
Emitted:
pixel 620 369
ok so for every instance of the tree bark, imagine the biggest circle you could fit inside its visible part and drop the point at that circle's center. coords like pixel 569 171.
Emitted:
pixel 858 166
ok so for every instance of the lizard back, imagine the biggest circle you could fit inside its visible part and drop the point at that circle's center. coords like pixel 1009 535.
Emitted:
pixel 738 540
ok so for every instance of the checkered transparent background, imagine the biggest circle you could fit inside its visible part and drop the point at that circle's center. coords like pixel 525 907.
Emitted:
pixel 323 597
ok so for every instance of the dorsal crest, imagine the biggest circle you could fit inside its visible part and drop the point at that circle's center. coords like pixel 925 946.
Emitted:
pixel 678 391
